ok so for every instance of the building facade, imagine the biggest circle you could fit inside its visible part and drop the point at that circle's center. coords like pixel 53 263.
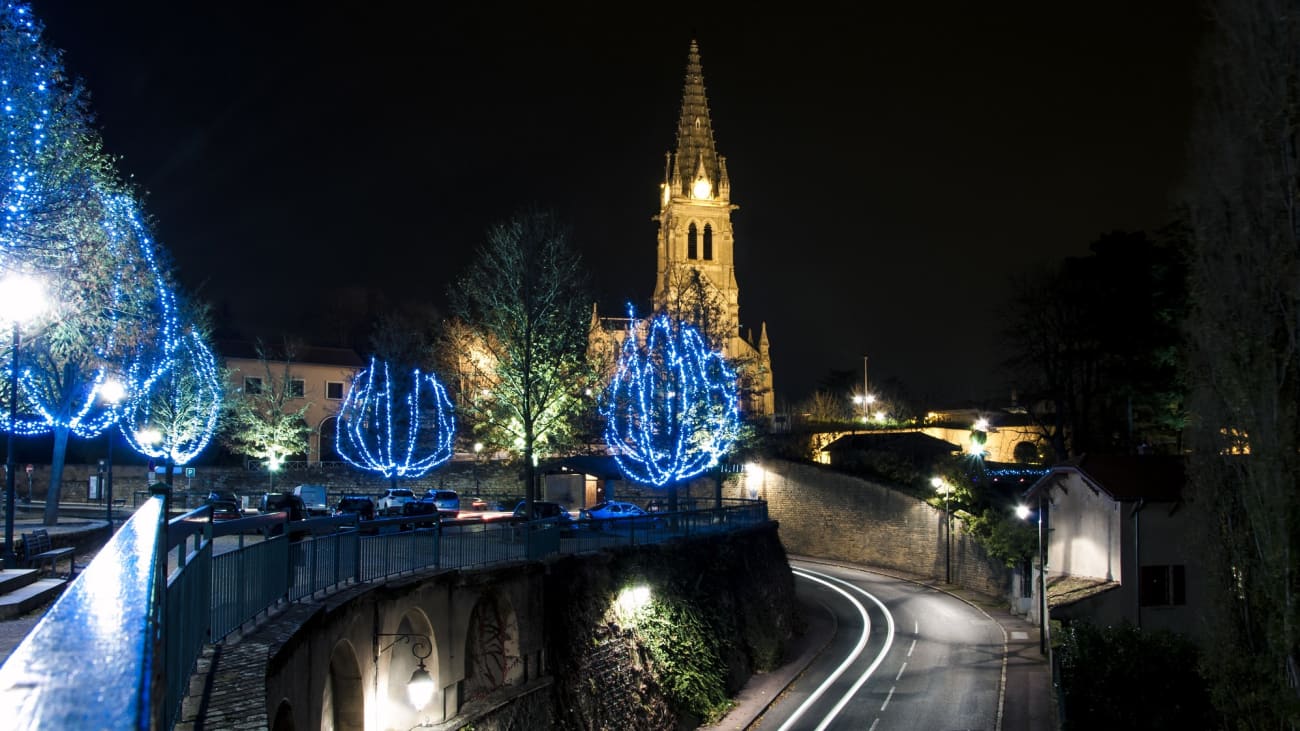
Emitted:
pixel 315 377
pixel 696 268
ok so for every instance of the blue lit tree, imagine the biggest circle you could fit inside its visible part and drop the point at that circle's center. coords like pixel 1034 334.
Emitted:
pixel 180 408
pixel 68 220
pixel 671 410
pixel 397 426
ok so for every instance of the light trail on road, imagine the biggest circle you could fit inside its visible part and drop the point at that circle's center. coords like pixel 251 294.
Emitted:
pixel 826 581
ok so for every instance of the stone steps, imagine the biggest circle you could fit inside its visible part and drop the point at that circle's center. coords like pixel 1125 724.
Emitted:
pixel 22 590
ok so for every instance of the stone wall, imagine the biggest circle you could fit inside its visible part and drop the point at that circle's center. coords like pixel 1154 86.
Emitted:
pixel 825 514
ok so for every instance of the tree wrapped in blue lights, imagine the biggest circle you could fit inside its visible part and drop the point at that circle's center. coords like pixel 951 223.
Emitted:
pixel 671 411
pixel 396 426
pixel 67 219
pixel 174 418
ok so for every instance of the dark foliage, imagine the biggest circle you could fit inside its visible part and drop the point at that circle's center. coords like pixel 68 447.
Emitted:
pixel 1123 677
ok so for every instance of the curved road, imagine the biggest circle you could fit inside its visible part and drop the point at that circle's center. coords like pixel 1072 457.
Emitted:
pixel 903 657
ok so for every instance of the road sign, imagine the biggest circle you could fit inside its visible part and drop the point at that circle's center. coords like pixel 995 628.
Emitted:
pixel 189 471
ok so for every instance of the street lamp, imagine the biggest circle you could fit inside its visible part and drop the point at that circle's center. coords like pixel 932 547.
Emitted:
pixel 21 299
pixel 1022 512
pixel 147 437
pixel 420 688
pixel 939 484
pixel 112 392
pixel 478 450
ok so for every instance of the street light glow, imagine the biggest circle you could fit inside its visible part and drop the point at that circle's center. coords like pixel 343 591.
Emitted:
pixel 112 391
pixel 1022 511
pixel 21 298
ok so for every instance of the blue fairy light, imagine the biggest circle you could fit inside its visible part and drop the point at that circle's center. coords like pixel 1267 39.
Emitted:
pixel 396 439
pixel 671 411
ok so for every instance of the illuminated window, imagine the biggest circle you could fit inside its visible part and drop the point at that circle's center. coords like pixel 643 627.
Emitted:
pixel 1163 586
pixel 334 390
pixel 692 248
pixel 252 385
pixel 708 241
pixel 297 388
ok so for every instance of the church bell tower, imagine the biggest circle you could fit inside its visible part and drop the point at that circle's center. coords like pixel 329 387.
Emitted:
pixel 696 245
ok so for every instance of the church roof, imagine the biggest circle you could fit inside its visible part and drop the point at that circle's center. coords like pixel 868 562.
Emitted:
pixel 695 148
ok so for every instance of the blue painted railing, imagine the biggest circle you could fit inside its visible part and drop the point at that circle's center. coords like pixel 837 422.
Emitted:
pixel 134 623
pixel 96 657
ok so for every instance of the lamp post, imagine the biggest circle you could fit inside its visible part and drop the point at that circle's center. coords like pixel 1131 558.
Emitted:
pixel 21 298
pixel 478 450
pixel 420 688
pixel 1022 512
pixel 943 487
pixel 112 392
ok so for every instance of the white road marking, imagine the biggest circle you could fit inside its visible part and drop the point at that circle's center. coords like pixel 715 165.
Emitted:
pixel 910 648
pixel 1018 635
pixel 873 725
pixel 900 672
pixel 857 649
pixel 884 650
pixel 886 703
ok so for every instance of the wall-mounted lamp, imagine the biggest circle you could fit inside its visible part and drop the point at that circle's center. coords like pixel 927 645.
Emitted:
pixel 419 689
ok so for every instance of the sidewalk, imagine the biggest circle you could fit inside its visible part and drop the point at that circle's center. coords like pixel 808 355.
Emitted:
pixel 1027 702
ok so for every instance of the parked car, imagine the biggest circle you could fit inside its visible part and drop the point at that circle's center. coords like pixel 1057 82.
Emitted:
pixel 624 514
pixel 543 509
pixel 225 510
pixel 448 502
pixel 478 503
pixel 276 502
pixel 362 505
pixel 314 497
pixel 390 502
pixel 220 495
pixel 425 507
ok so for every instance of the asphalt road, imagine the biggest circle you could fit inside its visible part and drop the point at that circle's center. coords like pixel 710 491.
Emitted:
pixel 903 657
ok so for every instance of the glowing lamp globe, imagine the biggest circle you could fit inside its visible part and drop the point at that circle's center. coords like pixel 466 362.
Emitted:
pixel 420 688
pixel 21 298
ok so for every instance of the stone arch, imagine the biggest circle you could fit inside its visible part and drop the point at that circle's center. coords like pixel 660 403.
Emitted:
pixel 329 431
pixel 283 720
pixel 492 657
pixel 1026 453
pixel 402 661
pixel 343 707
pixel 692 241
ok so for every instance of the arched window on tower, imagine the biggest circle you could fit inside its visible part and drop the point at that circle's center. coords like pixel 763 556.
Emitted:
pixel 692 249
pixel 708 241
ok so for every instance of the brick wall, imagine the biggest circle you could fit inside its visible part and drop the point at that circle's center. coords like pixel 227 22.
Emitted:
pixel 824 514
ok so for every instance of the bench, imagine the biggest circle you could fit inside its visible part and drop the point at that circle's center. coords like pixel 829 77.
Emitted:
pixel 38 551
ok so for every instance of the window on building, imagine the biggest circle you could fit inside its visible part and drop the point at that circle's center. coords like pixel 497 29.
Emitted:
pixel 1163 586
pixel 692 247
pixel 708 241
pixel 252 384
pixel 297 388
pixel 334 390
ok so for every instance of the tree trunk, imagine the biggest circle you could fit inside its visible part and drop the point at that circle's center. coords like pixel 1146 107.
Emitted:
pixel 56 475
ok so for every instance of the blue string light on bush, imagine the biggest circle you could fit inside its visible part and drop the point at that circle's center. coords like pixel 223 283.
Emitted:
pixel 405 438
pixel 180 408
pixel 671 411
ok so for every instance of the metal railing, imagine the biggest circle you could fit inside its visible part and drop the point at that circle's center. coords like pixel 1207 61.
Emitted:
pixel 155 595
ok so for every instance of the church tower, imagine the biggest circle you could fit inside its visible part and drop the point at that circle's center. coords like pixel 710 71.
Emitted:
pixel 696 245
pixel 696 278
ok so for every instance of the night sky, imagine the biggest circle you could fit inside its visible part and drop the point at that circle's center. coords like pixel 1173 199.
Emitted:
pixel 893 168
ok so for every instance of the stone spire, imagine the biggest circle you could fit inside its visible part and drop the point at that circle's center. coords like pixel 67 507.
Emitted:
pixel 695 148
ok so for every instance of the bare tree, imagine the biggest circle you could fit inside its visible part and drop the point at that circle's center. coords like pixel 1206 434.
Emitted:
pixel 1244 369
pixel 524 300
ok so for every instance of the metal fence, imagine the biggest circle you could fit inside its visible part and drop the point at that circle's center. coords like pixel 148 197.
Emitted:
pixel 222 576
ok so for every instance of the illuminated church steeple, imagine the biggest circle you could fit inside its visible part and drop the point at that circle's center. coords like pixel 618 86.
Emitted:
pixel 695 235
pixel 696 259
